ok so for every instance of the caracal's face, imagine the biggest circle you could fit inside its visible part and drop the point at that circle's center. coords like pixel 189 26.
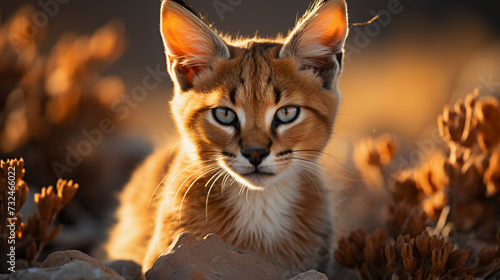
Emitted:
pixel 259 117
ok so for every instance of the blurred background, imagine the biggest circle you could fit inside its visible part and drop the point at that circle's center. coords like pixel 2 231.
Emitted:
pixel 74 102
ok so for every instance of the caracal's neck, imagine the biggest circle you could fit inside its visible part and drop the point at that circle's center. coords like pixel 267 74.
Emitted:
pixel 265 214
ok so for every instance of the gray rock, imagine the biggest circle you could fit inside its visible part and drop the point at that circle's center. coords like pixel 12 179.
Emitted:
pixel 61 258
pixel 75 270
pixel 310 275
pixel 70 265
pixel 190 258
pixel 127 269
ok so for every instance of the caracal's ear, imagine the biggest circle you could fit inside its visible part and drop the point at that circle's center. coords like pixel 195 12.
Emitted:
pixel 317 41
pixel 191 45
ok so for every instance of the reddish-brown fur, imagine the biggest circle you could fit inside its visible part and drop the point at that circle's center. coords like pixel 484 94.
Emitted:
pixel 200 189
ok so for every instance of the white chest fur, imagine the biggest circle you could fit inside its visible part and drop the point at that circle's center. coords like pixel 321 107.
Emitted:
pixel 266 214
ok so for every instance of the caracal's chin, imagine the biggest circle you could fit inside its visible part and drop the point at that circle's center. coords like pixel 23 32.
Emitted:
pixel 259 180
pixel 262 179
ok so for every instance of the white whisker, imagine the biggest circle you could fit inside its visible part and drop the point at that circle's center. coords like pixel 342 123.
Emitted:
pixel 331 159
pixel 189 166
pixel 311 181
pixel 211 169
pixel 246 196
pixel 315 164
pixel 224 181
pixel 221 172
pixel 167 175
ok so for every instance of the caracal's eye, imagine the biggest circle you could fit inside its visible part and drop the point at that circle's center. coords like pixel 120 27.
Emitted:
pixel 287 114
pixel 225 116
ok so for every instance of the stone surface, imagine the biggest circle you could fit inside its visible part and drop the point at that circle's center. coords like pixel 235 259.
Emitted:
pixel 193 258
pixel 75 265
pixel 75 270
pixel 65 257
pixel 310 275
pixel 127 269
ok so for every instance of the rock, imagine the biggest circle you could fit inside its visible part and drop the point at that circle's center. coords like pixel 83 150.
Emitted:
pixel 23 264
pixel 75 265
pixel 310 275
pixel 190 258
pixel 127 269
pixel 65 257
pixel 75 270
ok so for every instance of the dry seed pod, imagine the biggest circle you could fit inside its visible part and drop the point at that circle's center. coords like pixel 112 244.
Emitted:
pixel 488 114
pixel 20 195
pixel 387 148
pixel 390 254
pixel 350 250
pixel 406 219
pixel 470 132
pixel 458 261
pixel 492 174
pixel 405 188
pixel 33 226
pixel 435 243
pixel 374 250
pixel 375 152
pixel 451 123
pixel 5 167
pixel 365 154
pixel 344 255
pixel 358 238
pixel 45 203
pixel 402 240
pixel 439 258
pixel 422 243
pixel 486 256
pixel 409 260
pixel 430 176
pixel 458 124
pixel 66 190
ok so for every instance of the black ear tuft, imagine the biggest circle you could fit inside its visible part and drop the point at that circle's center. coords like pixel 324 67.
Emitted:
pixel 186 5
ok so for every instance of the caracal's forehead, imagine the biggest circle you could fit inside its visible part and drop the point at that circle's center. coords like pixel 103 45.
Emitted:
pixel 255 79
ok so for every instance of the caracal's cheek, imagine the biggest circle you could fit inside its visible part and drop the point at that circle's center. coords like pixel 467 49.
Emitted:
pixel 217 135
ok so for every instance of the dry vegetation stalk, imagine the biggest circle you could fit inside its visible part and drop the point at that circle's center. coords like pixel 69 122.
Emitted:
pixel 40 227
pixel 443 213
pixel 41 100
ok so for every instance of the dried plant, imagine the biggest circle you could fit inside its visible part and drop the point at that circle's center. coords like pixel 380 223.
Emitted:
pixel 375 256
pixel 42 96
pixel 454 196
pixel 364 252
pixel 45 99
pixel 424 185
pixel 372 157
pixel 487 265
pixel 427 257
pixel 406 219
pixel 12 189
pixel 41 225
